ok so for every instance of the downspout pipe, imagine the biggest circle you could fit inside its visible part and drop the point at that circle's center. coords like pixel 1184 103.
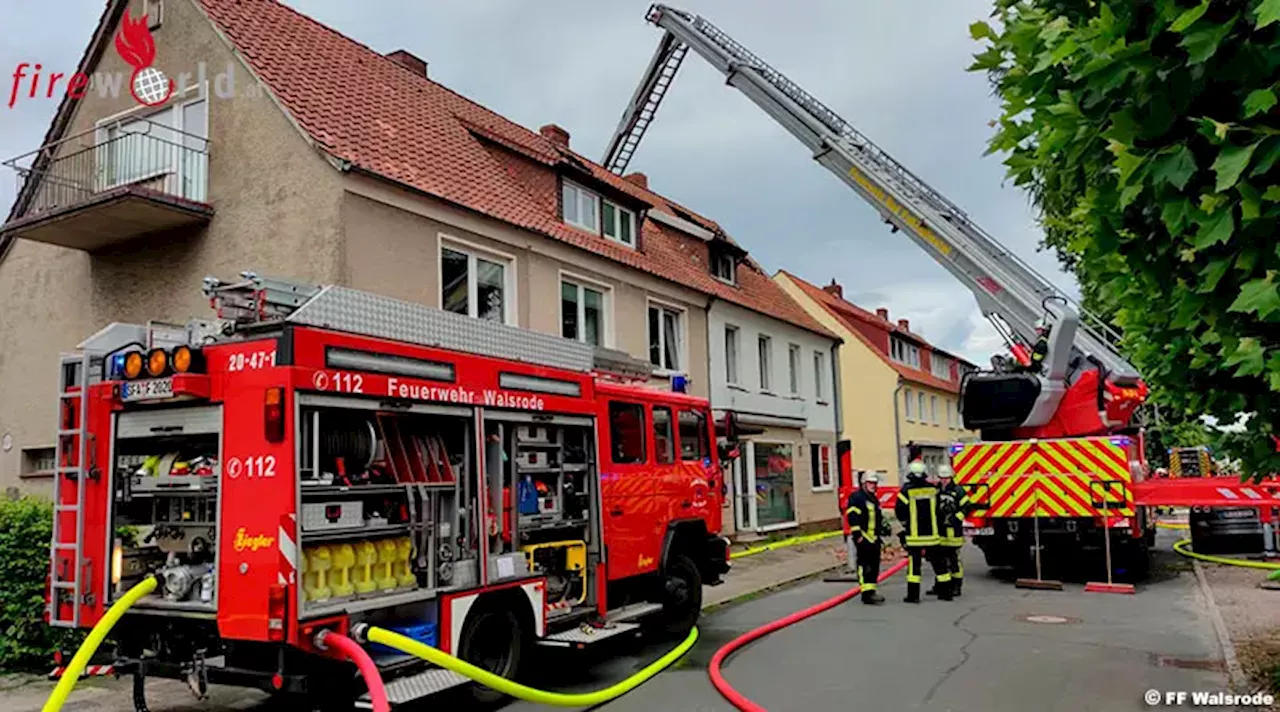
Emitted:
pixel 897 428
pixel 836 392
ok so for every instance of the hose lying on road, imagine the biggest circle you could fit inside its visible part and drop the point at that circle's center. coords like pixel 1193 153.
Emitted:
pixel 1181 548
pixel 792 541
pixel 1173 525
pixel 737 699
pixel 91 643
pixel 524 692
pixel 345 647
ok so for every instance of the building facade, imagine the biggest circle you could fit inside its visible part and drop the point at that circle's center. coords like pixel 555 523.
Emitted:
pixel 286 148
pixel 898 391
pixel 779 378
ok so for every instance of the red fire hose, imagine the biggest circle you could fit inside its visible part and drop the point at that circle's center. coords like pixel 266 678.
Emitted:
pixel 737 699
pixel 351 650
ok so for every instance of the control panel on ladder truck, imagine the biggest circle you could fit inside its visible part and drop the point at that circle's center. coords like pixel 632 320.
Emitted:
pixel 316 458
pixel 1056 417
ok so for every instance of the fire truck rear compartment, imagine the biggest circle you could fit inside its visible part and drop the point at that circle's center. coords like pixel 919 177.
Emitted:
pixel 165 472
pixel 1072 548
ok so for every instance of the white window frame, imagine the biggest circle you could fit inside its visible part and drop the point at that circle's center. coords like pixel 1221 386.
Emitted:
pixel 720 259
pixel 582 195
pixel 733 361
pixel 472 250
pixel 751 463
pixel 154 10
pixel 903 352
pixel 794 368
pixel 819 365
pixel 906 394
pixel 606 291
pixel 682 348
pixel 951 414
pixel 831 474
pixel 940 366
pixel 177 104
pixel 764 361
pixel 620 212
pixel 920 401
pixel 933 409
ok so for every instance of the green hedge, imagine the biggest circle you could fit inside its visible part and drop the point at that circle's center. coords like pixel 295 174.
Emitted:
pixel 26 641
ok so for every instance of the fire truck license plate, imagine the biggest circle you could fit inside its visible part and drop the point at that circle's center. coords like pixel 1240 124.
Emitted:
pixel 979 531
pixel 146 390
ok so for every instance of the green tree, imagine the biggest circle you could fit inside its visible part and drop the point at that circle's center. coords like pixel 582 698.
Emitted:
pixel 1148 133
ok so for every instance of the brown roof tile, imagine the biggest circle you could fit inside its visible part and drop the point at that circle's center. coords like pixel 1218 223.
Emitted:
pixel 364 108
pixel 847 312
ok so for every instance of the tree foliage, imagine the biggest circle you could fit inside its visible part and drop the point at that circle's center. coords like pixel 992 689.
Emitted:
pixel 1148 134
pixel 26 641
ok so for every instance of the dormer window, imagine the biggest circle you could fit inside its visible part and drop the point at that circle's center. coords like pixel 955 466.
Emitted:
pixel 722 267
pixel 587 210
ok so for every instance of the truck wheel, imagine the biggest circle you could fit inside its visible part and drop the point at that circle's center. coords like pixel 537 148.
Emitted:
pixel 680 594
pixel 492 639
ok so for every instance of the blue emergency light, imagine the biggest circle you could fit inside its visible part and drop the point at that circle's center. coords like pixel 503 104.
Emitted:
pixel 679 383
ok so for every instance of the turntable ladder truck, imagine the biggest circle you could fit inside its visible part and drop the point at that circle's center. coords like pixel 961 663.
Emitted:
pixel 1057 445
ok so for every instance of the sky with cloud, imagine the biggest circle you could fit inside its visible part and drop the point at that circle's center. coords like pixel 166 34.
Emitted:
pixel 895 70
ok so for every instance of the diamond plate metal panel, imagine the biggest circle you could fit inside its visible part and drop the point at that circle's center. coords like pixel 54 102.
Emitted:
pixel 594 635
pixel 416 687
pixel 349 310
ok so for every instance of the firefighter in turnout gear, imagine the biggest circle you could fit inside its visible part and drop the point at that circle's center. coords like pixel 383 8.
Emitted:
pixel 866 526
pixel 953 505
pixel 917 509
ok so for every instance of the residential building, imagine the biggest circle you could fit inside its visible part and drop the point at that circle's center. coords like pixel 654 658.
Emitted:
pixel 289 149
pixel 897 389
pixel 778 376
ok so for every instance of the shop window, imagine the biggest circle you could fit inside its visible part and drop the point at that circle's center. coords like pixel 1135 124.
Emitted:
pixel 693 436
pixel 626 432
pixel 663 442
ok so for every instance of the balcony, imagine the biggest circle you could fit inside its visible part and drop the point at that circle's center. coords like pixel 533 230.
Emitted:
pixel 110 185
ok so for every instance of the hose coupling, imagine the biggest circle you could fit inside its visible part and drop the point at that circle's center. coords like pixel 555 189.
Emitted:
pixel 360 633
pixel 318 641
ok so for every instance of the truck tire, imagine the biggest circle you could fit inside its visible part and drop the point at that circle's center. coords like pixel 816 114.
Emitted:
pixel 492 639
pixel 680 593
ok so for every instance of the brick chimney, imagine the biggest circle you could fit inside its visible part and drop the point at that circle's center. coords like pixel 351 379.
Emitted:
pixel 639 179
pixel 409 61
pixel 834 289
pixel 883 313
pixel 904 325
pixel 555 135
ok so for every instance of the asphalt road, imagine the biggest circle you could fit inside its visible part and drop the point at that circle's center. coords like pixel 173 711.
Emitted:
pixel 976 653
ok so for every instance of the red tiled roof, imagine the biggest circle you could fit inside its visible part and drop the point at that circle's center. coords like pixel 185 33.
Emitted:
pixel 847 312
pixel 372 112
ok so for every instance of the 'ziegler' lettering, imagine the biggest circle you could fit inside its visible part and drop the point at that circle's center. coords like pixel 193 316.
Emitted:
pixel 896 208
pixel 244 542
pixel 457 394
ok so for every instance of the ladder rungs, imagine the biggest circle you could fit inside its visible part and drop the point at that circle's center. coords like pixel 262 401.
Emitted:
pixel 66 507
pixel 71 395
pixel 67 470
pixel 74 431
pixel 64 584
pixel 64 545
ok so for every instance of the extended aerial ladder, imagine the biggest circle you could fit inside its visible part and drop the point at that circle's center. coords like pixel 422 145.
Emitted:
pixel 1051 391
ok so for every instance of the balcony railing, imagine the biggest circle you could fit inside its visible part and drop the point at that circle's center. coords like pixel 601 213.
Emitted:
pixel 120 180
pixel 143 153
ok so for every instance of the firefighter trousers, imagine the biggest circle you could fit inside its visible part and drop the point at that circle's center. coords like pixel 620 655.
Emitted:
pixel 868 563
pixel 915 567
pixel 954 566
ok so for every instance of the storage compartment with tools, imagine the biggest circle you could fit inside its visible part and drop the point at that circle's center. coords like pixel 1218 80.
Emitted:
pixel 383 498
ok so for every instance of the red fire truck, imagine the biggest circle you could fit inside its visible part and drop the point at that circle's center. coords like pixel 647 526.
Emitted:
pixel 317 457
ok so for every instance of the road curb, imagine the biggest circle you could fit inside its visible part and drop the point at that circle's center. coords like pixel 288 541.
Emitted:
pixel 1235 672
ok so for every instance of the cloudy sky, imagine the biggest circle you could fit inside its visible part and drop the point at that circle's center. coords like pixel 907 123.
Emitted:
pixel 896 70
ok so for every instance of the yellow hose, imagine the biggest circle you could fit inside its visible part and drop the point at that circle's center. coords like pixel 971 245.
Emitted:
pixel 1181 548
pixel 784 543
pixel 524 692
pixel 1173 525
pixel 72 674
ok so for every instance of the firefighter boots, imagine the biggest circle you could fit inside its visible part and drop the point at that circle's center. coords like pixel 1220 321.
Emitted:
pixel 872 597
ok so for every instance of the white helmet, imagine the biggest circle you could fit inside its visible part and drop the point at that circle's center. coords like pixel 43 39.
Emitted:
pixel 870 477
pixel 916 467
pixel 945 472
